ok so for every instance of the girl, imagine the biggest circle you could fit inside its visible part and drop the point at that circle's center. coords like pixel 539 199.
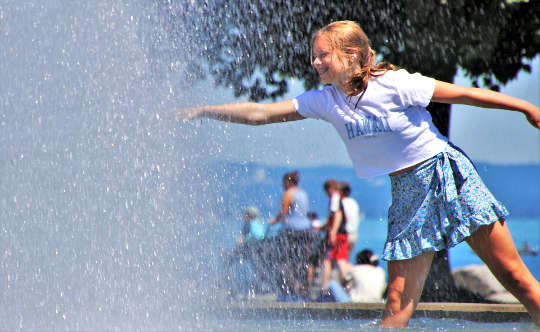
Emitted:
pixel 438 199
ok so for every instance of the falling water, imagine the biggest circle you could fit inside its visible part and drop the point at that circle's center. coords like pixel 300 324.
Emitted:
pixel 103 220
pixel 109 211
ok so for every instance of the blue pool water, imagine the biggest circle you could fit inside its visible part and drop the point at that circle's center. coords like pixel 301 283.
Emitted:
pixel 416 324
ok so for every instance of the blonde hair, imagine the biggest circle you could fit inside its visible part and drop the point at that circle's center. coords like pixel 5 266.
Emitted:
pixel 346 38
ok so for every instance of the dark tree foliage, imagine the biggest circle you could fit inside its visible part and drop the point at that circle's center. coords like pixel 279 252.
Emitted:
pixel 256 46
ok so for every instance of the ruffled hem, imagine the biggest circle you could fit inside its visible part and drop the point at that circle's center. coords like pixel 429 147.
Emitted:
pixel 437 206
pixel 411 245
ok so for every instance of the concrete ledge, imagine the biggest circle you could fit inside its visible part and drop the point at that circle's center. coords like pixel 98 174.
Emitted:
pixel 467 311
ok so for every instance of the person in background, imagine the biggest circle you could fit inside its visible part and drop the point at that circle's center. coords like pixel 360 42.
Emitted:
pixel 253 228
pixel 295 240
pixel 438 197
pixel 366 281
pixel 331 188
pixel 337 246
pixel 243 263
pixel 294 205
pixel 352 214
pixel 318 248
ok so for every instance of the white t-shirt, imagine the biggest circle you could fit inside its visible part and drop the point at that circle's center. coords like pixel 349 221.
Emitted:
pixel 334 202
pixel 390 128
pixel 368 283
pixel 352 213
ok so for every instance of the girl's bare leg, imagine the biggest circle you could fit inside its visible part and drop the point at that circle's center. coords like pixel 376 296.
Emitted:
pixel 406 281
pixel 494 245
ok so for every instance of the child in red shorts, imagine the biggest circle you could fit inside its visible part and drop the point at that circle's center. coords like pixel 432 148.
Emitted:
pixel 337 252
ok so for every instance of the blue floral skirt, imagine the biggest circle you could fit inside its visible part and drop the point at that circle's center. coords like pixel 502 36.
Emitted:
pixel 437 205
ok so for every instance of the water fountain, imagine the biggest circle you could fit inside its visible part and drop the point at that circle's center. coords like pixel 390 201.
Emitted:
pixel 101 227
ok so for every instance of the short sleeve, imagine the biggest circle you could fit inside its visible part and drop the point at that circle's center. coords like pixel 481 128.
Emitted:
pixel 335 200
pixel 310 104
pixel 414 89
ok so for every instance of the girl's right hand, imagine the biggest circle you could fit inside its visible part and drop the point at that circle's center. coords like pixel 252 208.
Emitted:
pixel 187 114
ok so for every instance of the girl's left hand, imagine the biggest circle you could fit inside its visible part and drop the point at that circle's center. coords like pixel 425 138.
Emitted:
pixel 534 117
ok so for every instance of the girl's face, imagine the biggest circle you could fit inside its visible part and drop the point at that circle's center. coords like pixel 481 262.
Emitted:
pixel 329 65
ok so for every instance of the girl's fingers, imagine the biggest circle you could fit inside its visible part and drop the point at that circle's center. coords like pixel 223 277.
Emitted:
pixel 185 114
pixel 534 118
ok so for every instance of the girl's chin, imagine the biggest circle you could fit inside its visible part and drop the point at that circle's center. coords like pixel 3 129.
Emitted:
pixel 323 79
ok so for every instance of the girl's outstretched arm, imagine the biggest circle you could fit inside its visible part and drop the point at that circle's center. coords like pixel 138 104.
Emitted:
pixel 454 94
pixel 246 112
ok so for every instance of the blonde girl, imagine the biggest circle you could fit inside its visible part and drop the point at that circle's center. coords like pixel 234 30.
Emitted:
pixel 438 199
